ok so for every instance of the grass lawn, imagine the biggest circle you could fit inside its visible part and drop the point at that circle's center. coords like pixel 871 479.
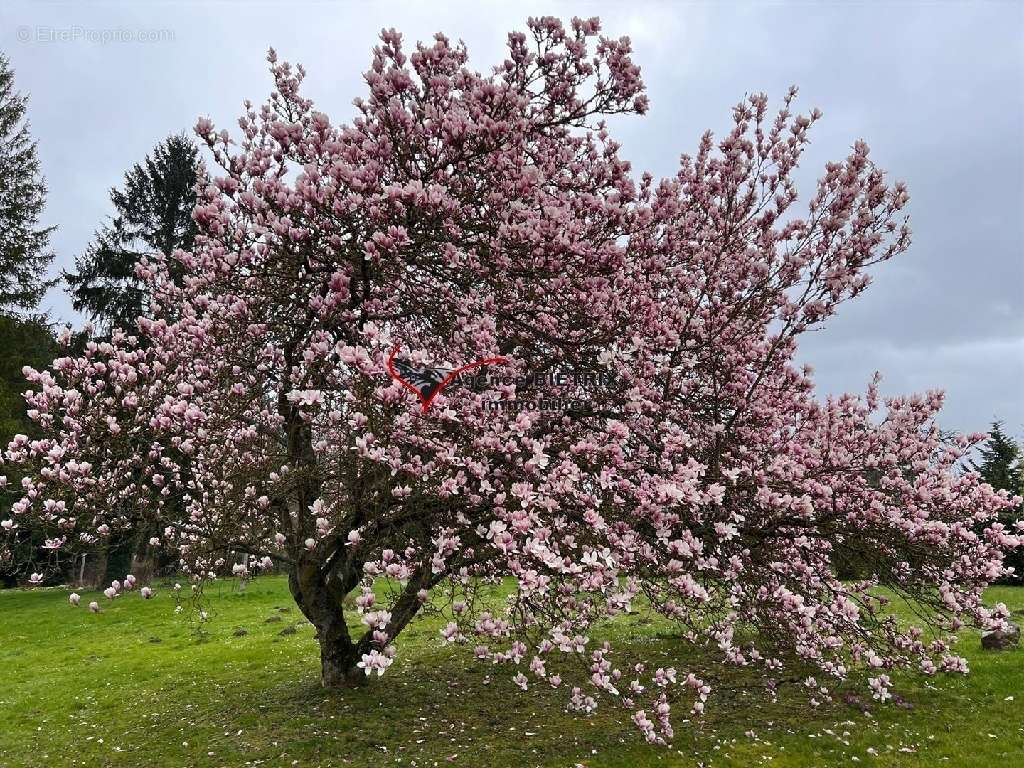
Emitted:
pixel 133 686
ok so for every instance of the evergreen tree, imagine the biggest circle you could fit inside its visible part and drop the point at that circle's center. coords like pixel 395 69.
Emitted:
pixel 24 245
pixel 1002 462
pixel 23 341
pixel 153 216
pixel 1002 467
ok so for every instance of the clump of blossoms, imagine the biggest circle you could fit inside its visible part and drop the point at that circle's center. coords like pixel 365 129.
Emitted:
pixel 463 216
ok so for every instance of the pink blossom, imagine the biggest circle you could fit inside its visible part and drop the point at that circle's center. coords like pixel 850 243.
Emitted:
pixel 465 213
pixel 375 660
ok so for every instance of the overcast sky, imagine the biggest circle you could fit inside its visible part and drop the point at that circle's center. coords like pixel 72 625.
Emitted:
pixel 937 90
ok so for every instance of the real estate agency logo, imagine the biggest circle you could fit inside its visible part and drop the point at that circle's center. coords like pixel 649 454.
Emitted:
pixel 428 382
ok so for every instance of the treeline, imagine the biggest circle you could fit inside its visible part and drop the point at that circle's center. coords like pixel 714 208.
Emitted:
pixel 151 214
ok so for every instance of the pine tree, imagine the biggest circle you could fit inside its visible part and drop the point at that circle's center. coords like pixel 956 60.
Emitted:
pixel 153 215
pixel 1002 467
pixel 1002 461
pixel 24 340
pixel 24 245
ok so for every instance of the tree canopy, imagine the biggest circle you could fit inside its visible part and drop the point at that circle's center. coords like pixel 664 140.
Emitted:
pixel 462 217
pixel 153 215
pixel 25 251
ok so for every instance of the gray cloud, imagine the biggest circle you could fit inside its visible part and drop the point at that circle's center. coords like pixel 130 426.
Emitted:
pixel 937 89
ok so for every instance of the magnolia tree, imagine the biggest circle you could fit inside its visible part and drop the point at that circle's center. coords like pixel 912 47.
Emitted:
pixel 465 217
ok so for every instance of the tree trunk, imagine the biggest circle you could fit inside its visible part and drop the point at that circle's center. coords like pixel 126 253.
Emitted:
pixel 94 575
pixel 320 600
pixel 143 565
pixel 338 665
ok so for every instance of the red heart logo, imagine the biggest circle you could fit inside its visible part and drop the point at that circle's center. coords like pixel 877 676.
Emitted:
pixel 427 383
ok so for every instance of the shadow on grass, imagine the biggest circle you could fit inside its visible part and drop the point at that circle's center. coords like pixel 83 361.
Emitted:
pixel 92 690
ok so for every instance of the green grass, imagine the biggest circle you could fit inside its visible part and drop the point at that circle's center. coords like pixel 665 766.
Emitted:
pixel 133 686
